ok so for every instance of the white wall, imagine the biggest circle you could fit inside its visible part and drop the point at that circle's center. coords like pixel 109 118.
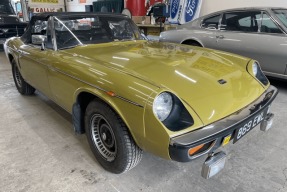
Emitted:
pixel 209 6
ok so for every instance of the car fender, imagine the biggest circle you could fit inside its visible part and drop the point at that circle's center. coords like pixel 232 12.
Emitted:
pixel 130 117
pixel 9 51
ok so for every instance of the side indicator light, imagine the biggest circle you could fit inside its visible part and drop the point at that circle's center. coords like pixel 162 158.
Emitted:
pixel 110 93
pixel 226 140
pixel 193 150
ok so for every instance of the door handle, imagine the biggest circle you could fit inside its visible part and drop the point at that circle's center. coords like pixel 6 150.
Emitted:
pixel 220 37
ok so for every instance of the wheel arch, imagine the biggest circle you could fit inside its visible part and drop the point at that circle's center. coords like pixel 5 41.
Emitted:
pixel 192 40
pixel 10 57
pixel 82 100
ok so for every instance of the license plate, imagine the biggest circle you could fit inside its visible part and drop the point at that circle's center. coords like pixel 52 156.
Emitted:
pixel 249 125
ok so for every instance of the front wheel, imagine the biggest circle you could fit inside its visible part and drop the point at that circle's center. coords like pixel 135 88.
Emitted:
pixel 109 139
pixel 22 86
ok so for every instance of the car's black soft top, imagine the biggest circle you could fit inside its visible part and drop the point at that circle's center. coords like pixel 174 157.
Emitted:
pixel 67 14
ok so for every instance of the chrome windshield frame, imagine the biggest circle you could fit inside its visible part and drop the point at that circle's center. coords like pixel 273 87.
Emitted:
pixel 53 19
pixel 54 39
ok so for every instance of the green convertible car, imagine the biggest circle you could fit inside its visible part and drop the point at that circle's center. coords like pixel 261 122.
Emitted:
pixel 130 95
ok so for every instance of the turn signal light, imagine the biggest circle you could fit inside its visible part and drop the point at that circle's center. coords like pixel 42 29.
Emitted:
pixel 193 150
pixel 110 93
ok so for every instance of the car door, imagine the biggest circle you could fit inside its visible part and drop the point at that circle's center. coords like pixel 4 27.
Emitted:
pixel 271 47
pixel 33 60
pixel 208 32
pixel 245 33
pixel 238 32
pixel 61 72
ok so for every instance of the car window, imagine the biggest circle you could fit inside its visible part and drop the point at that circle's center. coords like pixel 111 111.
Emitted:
pixel 38 32
pixel 121 30
pixel 245 21
pixel 39 27
pixel 63 32
pixel 281 15
pixel 268 26
pixel 211 22
pixel 78 30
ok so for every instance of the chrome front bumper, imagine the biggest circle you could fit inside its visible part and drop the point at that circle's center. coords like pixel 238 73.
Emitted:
pixel 217 131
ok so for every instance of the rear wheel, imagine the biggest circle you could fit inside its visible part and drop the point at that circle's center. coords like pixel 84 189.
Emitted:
pixel 22 86
pixel 109 139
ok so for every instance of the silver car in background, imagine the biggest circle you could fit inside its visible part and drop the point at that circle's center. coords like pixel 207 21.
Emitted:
pixel 258 33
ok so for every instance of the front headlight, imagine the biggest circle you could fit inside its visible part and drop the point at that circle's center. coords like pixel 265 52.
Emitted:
pixel 171 112
pixel 255 68
pixel 162 105
pixel 257 72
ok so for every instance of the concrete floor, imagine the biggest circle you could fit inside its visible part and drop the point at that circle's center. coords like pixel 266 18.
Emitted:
pixel 40 152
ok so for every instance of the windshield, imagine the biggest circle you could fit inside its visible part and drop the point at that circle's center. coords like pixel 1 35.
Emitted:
pixel 6 8
pixel 76 30
pixel 281 14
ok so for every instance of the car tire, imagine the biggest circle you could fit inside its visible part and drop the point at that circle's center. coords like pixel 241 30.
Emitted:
pixel 22 86
pixel 109 139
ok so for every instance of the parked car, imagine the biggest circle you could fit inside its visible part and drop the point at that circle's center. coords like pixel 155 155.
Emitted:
pixel 10 25
pixel 128 94
pixel 259 33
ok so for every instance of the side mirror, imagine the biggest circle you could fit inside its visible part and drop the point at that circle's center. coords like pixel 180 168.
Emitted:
pixel 39 40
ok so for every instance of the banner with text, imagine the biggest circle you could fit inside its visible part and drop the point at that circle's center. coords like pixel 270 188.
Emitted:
pixel 45 1
pixel 45 9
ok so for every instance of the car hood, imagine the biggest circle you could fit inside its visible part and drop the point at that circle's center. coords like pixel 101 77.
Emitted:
pixel 214 84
